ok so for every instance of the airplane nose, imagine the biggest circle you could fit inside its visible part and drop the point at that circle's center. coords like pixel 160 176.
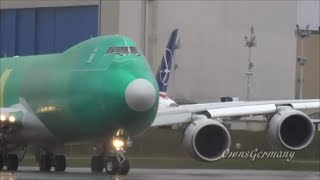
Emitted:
pixel 140 95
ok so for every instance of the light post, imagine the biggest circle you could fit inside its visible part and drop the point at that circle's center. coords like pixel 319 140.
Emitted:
pixel 250 42
pixel 301 60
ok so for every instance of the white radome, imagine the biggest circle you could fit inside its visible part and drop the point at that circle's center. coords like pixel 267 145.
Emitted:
pixel 140 95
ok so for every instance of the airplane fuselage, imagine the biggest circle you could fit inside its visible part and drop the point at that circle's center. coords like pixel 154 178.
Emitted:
pixel 84 92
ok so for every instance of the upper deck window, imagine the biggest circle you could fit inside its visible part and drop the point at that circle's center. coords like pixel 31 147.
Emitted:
pixel 123 50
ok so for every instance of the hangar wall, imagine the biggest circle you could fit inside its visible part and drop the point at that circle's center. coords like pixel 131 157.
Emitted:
pixel 117 17
pixel 12 4
pixel 213 60
pixel 44 30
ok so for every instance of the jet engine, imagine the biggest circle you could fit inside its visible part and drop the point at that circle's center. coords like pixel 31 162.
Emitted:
pixel 290 129
pixel 206 139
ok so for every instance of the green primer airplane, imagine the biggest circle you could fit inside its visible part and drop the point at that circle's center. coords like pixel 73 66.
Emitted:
pixel 93 89
pixel 104 90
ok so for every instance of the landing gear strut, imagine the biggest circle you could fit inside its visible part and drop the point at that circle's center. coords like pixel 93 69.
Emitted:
pixel 50 160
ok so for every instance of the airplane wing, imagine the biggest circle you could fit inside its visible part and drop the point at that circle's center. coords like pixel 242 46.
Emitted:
pixel 316 121
pixel 18 121
pixel 184 113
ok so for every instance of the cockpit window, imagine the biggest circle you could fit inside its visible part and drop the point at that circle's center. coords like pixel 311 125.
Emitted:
pixel 110 50
pixel 134 50
pixel 123 50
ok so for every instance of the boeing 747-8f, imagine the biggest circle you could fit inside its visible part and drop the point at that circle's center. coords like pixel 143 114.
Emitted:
pixel 103 89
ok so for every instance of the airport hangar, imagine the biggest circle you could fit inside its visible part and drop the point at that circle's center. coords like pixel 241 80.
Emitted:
pixel 213 59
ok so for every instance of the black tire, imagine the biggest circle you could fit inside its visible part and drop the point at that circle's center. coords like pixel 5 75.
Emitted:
pixel 97 163
pixel 12 164
pixel 45 163
pixel 125 168
pixel 1 163
pixel 112 165
pixel 60 163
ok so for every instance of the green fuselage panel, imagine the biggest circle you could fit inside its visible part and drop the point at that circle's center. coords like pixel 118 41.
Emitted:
pixel 79 94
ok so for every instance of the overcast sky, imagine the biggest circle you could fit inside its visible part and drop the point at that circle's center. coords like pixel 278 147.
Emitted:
pixel 308 13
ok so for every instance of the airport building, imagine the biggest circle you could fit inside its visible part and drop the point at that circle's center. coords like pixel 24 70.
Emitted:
pixel 213 59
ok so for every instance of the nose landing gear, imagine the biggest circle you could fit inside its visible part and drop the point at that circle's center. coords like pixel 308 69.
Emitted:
pixel 117 163
pixel 113 161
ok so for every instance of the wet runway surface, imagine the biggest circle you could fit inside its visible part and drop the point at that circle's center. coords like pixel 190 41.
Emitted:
pixel 161 174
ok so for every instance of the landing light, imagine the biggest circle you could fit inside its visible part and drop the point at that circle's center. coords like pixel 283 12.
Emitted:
pixel 12 119
pixel 118 143
pixel 2 118
pixel 47 109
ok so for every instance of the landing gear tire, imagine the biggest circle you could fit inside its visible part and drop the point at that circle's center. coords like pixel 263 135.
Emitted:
pixel 97 163
pixel 45 163
pixel 112 165
pixel 60 163
pixel 12 162
pixel 1 162
pixel 125 168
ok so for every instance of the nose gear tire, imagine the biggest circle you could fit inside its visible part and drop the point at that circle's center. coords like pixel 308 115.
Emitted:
pixel 112 165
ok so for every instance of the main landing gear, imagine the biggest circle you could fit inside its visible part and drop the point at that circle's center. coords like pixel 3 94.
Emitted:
pixel 9 160
pixel 58 162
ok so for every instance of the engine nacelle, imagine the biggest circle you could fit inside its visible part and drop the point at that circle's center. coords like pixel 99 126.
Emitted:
pixel 206 139
pixel 290 129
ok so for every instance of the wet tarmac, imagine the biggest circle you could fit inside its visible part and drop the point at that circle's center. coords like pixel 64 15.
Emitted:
pixel 161 174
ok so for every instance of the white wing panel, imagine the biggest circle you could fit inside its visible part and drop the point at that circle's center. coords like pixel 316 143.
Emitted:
pixel 243 110
pixel 183 113
pixel 298 103
pixel 171 118
pixel 309 105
